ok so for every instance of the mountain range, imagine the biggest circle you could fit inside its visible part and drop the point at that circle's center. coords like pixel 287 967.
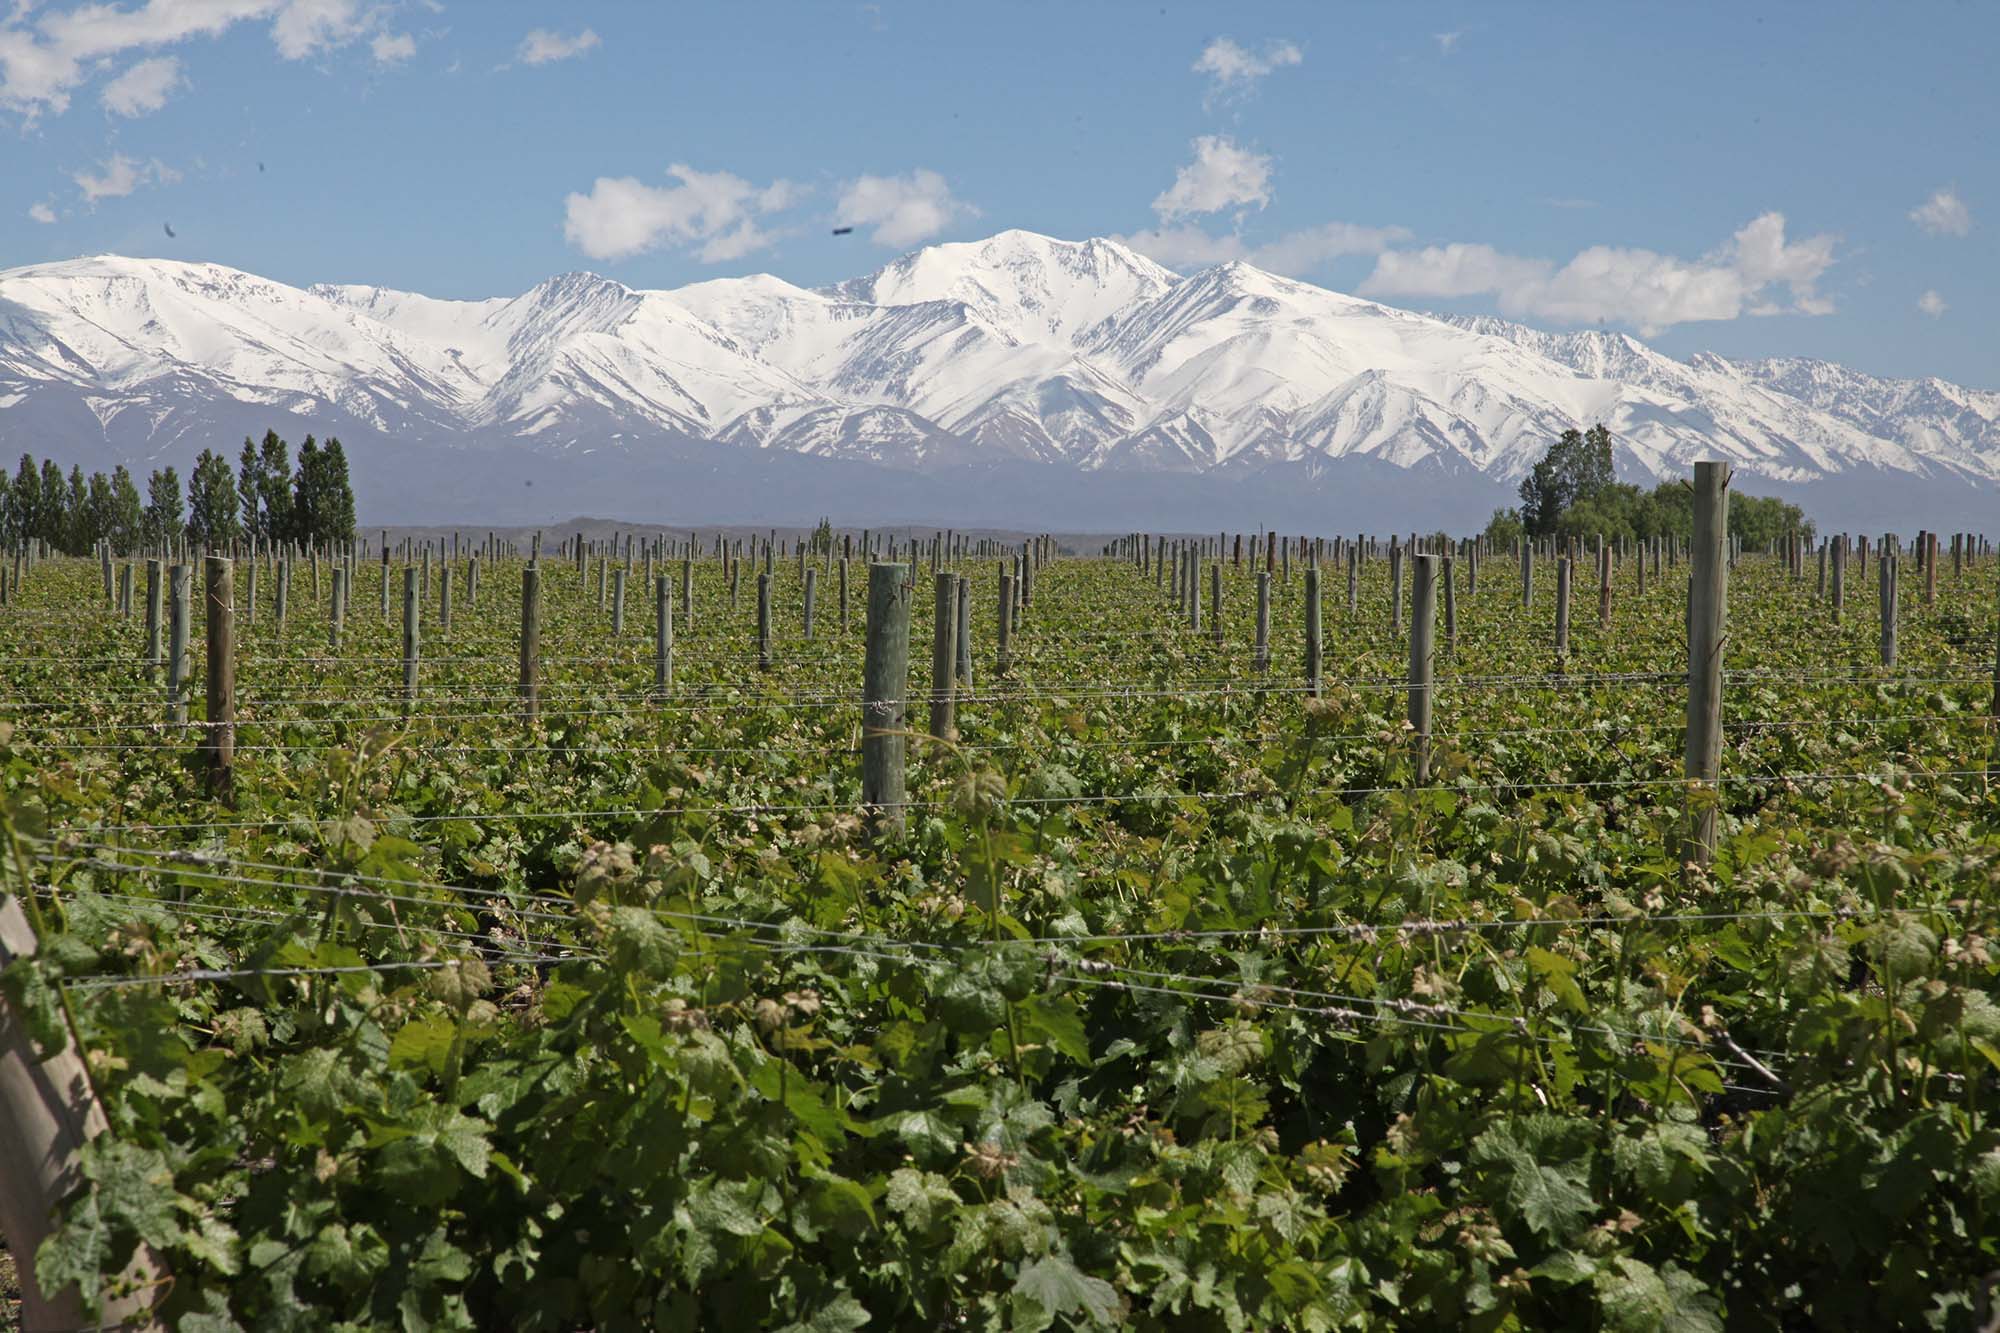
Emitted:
pixel 1019 379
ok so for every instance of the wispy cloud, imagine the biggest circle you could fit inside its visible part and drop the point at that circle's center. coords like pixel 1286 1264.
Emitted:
pixel 119 175
pixel 902 210
pixel 46 56
pixel 1293 254
pixel 1222 175
pixel 41 213
pixel 1648 290
pixel 713 212
pixel 1447 42
pixel 542 46
pixel 1932 304
pixel 143 88
pixel 1234 70
pixel 392 48
pixel 1943 214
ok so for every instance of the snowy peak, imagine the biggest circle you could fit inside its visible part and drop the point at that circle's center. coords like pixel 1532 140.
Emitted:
pixel 1033 287
pixel 1082 354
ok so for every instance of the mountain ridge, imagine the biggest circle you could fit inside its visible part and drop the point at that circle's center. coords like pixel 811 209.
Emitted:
pixel 1078 356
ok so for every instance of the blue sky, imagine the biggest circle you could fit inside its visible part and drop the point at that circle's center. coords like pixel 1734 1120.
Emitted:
pixel 1806 180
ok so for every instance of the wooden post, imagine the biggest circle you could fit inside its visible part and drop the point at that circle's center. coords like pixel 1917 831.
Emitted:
pixel 444 600
pixel 1887 567
pixel 125 591
pixel 1004 624
pixel 812 595
pixel 884 683
pixel 1423 641
pixel 154 617
pixel 1313 655
pixel 1603 586
pixel 1395 589
pixel 1215 602
pixel 336 612
pixel 220 744
pixel 764 620
pixel 1708 618
pixel 1450 609
pixel 1839 599
pixel 1562 612
pixel 531 641
pixel 843 596
pixel 617 602
pixel 48 1111
pixel 1527 573
pixel 663 637
pixel 962 673
pixel 412 647
pixel 944 655
pixel 1261 658
pixel 177 643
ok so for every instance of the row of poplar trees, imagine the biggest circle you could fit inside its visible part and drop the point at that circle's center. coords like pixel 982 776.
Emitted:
pixel 266 497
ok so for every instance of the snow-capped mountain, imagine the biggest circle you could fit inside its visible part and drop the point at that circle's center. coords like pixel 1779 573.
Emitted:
pixel 1084 357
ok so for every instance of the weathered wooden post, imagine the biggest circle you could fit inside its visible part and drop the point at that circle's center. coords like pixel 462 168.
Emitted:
pixel 1562 612
pixel 531 641
pixel 1004 623
pixel 1423 641
pixel 178 615
pixel 764 620
pixel 962 673
pixel 1839 599
pixel 843 596
pixel 944 655
pixel 1888 568
pixel 48 1112
pixel 617 602
pixel 1603 586
pixel 812 595
pixel 1450 609
pixel 1527 573
pixel 412 611
pixel 663 637
pixel 219 744
pixel 1313 655
pixel 1395 588
pixel 444 600
pixel 154 609
pixel 884 684
pixel 1261 658
pixel 1708 616
pixel 336 611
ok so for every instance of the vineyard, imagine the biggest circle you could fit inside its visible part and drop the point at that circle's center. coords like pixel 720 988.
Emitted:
pixel 1197 973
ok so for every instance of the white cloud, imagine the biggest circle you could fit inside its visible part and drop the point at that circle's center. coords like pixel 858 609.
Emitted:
pixel 1222 175
pixel 303 27
pixel 1292 254
pixel 144 88
pixel 41 213
pixel 902 209
pixel 1235 69
pixel 1447 41
pixel 392 48
pixel 1930 302
pixel 1943 214
pixel 1640 287
pixel 542 46
pixel 120 175
pixel 44 58
pixel 715 211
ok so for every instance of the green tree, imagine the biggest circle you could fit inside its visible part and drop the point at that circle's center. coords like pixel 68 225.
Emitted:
pixel 76 530
pixel 127 526
pixel 102 508
pixel 308 485
pixel 250 489
pixel 24 501
pixel 212 506
pixel 52 517
pixel 162 522
pixel 337 517
pixel 1575 468
pixel 274 481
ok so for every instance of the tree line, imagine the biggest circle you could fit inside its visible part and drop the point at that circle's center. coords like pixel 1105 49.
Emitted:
pixel 1572 491
pixel 266 497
